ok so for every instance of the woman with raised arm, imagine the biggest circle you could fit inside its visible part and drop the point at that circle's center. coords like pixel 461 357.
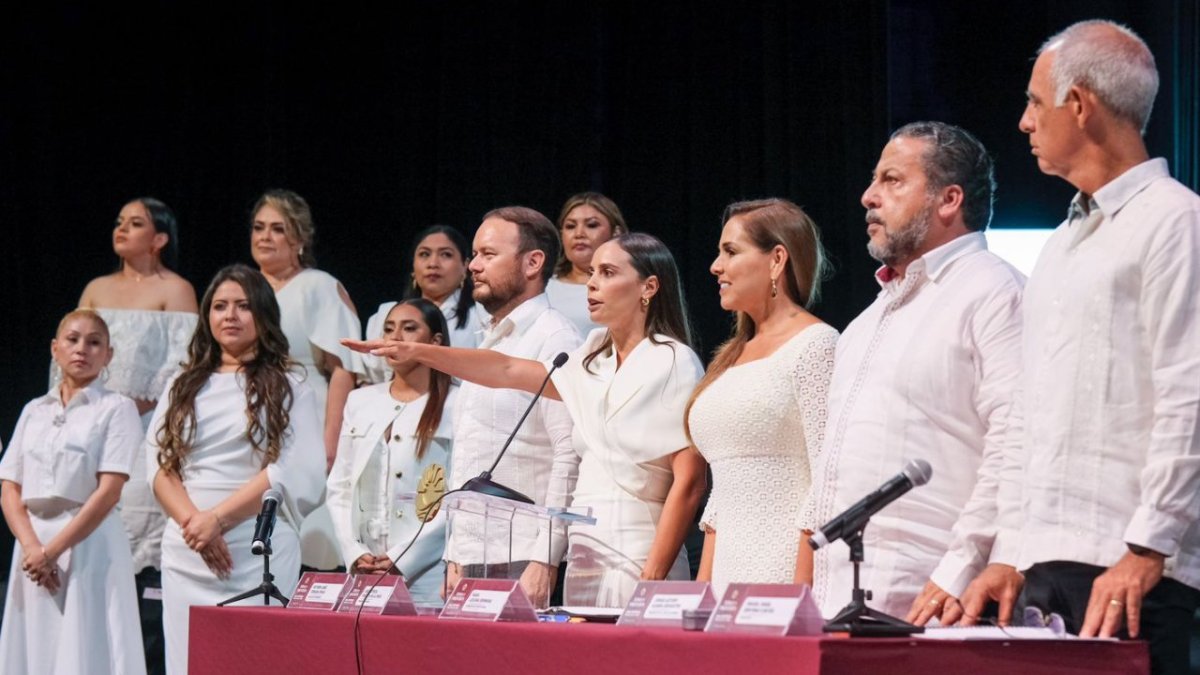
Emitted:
pixel 151 314
pixel 440 254
pixel 315 312
pixel 587 220
pixel 235 422
pixel 395 443
pixel 758 415
pixel 71 599
pixel 626 388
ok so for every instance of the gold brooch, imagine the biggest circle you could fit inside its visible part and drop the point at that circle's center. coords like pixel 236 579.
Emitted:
pixel 430 489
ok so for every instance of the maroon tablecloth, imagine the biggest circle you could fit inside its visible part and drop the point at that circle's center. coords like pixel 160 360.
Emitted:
pixel 233 640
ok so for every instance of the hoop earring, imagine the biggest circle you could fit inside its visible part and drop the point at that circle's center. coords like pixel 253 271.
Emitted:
pixel 645 302
pixel 774 289
pixel 414 282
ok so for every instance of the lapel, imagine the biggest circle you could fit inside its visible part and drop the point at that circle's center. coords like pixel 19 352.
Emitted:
pixel 626 382
pixel 366 429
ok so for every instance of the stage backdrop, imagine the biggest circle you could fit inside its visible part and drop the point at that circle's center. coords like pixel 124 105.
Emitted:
pixel 390 119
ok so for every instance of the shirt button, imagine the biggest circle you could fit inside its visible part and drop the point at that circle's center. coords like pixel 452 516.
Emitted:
pixel 398 407
pixel 399 513
pixel 396 437
pixel 399 474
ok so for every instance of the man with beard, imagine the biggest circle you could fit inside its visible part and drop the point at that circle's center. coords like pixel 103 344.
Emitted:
pixel 926 372
pixel 514 253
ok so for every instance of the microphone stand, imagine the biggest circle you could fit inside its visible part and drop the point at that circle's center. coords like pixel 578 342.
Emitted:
pixel 857 618
pixel 267 587
pixel 483 483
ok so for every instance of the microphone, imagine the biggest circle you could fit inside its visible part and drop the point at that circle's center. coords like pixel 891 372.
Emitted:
pixel 265 525
pixel 916 472
pixel 483 483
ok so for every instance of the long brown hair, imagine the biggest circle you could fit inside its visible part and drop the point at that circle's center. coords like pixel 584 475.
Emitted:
pixel 439 382
pixel 597 201
pixel 268 391
pixel 667 312
pixel 770 223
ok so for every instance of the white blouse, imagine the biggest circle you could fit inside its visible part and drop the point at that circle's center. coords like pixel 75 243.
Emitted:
pixel 56 451
pixel 571 301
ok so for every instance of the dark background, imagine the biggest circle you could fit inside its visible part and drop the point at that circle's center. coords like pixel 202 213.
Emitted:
pixel 389 119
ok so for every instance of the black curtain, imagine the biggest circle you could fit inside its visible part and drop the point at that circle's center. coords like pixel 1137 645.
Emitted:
pixel 392 118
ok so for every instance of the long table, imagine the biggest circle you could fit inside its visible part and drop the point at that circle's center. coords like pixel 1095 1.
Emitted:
pixel 234 640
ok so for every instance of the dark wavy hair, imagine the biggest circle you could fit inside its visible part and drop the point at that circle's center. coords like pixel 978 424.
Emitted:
pixel 268 391
pixel 465 298
pixel 439 382
pixel 954 156
pixel 667 312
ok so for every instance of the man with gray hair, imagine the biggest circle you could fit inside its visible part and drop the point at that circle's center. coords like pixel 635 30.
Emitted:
pixel 925 372
pixel 1100 496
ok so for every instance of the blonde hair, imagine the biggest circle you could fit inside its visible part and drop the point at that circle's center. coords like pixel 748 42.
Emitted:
pixel 84 313
pixel 297 220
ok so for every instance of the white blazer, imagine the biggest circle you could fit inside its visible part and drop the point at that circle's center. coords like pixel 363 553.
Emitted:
pixel 368 414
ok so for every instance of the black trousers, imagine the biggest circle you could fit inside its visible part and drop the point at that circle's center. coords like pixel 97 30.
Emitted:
pixel 151 611
pixel 1167 610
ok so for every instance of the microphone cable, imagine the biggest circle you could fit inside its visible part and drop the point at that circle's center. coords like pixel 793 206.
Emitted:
pixel 429 515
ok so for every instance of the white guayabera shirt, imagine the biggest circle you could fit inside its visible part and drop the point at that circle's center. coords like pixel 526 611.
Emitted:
pixel 1110 449
pixel 927 371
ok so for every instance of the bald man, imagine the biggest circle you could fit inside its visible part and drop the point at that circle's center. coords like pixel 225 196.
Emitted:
pixel 1100 490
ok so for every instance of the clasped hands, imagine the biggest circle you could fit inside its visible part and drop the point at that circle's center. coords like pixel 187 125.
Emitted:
pixel 41 568
pixel 203 532
pixel 373 564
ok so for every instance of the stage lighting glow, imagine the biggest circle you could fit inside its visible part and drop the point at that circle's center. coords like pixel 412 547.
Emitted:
pixel 1020 247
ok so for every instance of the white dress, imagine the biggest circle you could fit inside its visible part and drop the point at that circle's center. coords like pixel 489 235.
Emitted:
pixel 148 349
pixel 314 317
pixel 375 478
pixel 571 301
pixel 760 427
pixel 221 461
pixel 628 423
pixel 468 337
pixel 90 624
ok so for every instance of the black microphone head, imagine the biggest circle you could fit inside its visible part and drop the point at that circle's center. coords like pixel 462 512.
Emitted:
pixel 273 495
pixel 560 359
pixel 918 471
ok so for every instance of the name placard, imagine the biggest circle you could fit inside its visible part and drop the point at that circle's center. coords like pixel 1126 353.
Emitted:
pixel 488 600
pixel 321 591
pixel 767 609
pixel 662 603
pixel 387 595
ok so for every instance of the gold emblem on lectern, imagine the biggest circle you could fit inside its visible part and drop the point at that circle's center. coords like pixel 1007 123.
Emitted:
pixel 430 489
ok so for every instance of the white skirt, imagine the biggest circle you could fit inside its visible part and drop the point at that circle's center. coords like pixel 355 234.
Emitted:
pixel 90 625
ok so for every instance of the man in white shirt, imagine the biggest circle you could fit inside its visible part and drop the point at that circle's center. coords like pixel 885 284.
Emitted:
pixel 1098 503
pixel 927 371
pixel 514 253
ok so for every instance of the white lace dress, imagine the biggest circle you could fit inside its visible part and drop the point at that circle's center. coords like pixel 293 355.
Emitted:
pixel 149 347
pixel 760 425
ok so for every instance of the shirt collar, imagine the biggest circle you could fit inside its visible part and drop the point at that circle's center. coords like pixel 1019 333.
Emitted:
pixel 1117 192
pixel 92 392
pixel 520 319
pixel 449 306
pixel 934 263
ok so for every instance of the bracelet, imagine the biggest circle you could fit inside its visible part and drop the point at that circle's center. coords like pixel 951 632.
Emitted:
pixel 220 521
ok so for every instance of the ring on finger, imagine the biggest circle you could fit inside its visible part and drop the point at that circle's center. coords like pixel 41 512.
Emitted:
pixel 1116 603
pixel 934 602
